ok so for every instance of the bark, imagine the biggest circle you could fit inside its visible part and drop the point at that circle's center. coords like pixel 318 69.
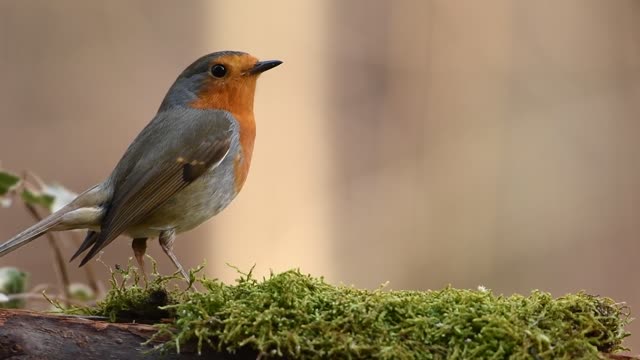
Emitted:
pixel 32 335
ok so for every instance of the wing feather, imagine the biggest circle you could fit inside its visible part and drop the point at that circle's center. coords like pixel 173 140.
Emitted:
pixel 170 162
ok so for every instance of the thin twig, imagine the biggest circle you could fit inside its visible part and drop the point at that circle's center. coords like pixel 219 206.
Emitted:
pixel 63 275
pixel 57 254
pixel 88 268
pixel 35 177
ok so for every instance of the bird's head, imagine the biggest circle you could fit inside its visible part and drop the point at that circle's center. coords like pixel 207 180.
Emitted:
pixel 223 80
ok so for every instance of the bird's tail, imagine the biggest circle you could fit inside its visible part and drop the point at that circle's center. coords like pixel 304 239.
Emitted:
pixel 32 233
pixel 81 213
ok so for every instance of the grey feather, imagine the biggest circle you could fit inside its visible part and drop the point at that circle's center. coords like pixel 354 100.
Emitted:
pixel 159 163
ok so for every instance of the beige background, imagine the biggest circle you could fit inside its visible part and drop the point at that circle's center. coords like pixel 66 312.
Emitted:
pixel 421 142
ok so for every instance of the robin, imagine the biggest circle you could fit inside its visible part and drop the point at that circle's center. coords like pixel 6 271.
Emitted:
pixel 184 167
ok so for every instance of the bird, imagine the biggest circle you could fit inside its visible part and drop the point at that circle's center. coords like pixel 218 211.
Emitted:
pixel 185 166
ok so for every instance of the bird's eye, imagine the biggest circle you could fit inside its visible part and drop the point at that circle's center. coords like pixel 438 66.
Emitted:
pixel 218 71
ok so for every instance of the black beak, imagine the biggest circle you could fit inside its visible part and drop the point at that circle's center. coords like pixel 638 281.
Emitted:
pixel 262 66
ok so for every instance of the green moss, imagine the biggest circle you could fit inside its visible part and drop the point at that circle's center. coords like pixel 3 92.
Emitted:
pixel 298 316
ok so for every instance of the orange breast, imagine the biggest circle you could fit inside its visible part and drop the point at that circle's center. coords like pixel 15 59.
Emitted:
pixel 237 98
pixel 243 158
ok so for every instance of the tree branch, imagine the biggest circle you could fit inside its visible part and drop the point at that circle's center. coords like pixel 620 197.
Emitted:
pixel 31 335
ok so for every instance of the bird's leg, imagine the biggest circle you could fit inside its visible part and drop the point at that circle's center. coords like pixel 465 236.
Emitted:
pixel 139 246
pixel 166 239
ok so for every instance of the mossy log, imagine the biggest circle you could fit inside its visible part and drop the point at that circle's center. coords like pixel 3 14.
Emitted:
pixel 296 316
pixel 31 335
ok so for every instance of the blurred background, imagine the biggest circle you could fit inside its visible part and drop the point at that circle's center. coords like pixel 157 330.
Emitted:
pixel 424 143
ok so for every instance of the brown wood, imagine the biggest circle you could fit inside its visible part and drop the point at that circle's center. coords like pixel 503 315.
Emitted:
pixel 30 335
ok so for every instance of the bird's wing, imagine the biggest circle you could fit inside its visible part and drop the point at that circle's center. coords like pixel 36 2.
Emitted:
pixel 175 149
